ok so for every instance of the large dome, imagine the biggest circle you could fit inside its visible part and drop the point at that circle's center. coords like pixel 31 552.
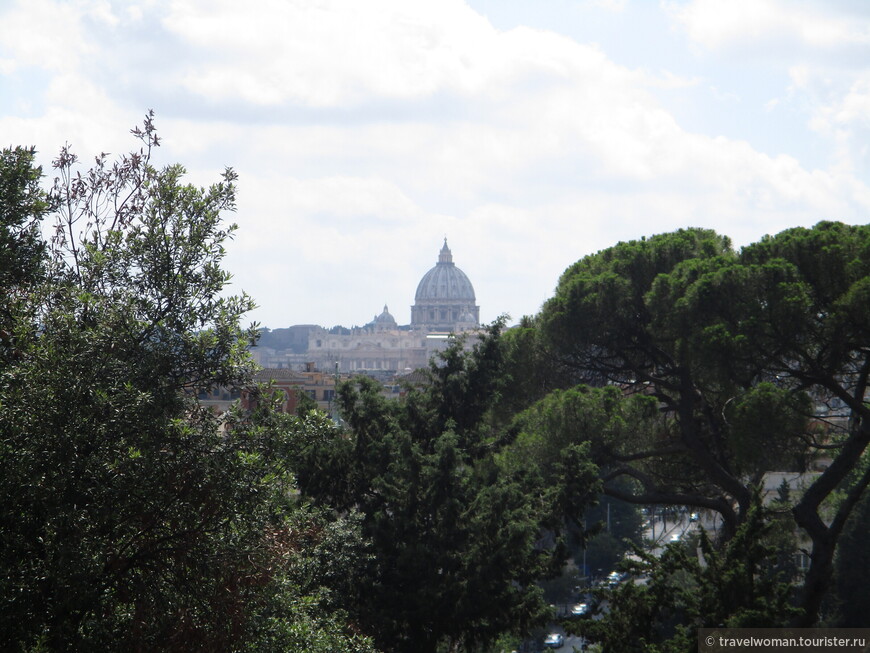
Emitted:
pixel 445 297
pixel 445 281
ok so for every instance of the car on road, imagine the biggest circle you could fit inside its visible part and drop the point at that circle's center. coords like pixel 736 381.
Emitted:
pixel 676 537
pixel 554 640
pixel 580 609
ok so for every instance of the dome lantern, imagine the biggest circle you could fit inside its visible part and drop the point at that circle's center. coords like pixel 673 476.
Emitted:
pixel 445 256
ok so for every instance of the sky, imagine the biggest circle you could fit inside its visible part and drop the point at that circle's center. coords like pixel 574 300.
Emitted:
pixel 529 134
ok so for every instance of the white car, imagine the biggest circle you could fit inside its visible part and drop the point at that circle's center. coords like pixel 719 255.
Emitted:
pixel 580 609
pixel 554 640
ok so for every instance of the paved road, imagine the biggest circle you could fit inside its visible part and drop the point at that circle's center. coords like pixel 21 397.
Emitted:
pixel 572 642
pixel 660 532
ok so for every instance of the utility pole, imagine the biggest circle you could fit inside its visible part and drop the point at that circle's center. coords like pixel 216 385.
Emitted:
pixel 334 403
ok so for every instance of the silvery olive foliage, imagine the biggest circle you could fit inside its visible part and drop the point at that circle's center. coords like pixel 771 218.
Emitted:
pixel 133 516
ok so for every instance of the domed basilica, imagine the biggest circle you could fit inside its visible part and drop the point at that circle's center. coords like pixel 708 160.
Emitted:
pixel 445 298
pixel 443 304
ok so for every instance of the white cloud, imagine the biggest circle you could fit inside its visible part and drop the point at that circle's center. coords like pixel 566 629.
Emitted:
pixel 769 24
pixel 667 79
pixel 825 49
pixel 350 203
pixel 843 117
pixel 854 107
pixel 332 53
pixel 43 34
pixel 366 132
pixel 617 6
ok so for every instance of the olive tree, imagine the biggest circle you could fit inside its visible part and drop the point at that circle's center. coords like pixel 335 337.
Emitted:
pixel 133 516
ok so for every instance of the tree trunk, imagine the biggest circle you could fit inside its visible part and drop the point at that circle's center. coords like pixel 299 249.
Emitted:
pixel 817 581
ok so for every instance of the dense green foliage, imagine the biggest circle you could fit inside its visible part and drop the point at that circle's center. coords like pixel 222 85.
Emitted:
pixel 668 371
pixel 849 602
pixel 23 204
pixel 747 362
pixel 457 521
pixel 737 586
pixel 132 516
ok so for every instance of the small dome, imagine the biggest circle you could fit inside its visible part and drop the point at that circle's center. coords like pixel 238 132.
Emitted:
pixel 383 322
pixel 385 318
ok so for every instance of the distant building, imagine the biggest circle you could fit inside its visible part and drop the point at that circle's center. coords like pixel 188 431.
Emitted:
pixel 444 304
pixel 445 298
pixel 289 384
